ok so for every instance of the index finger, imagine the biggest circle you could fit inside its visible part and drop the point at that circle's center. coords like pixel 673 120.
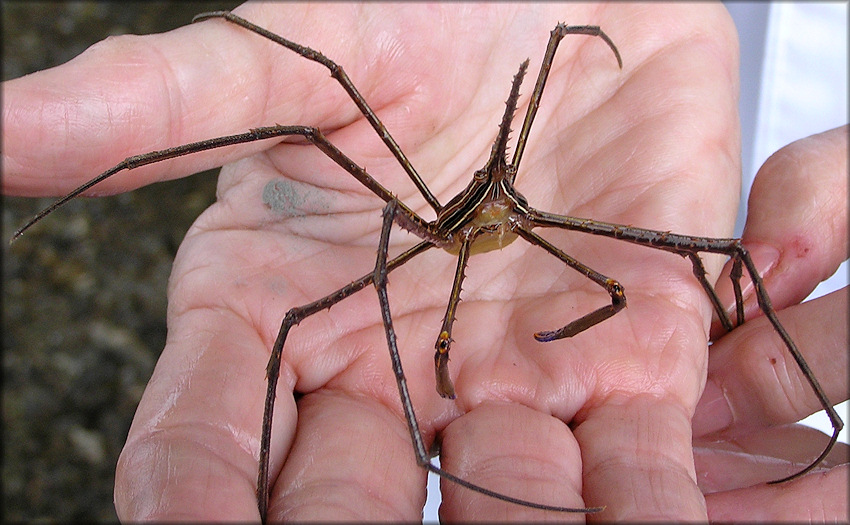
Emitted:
pixel 131 94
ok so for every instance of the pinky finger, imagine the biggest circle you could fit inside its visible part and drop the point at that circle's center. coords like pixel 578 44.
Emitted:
pixel 817 497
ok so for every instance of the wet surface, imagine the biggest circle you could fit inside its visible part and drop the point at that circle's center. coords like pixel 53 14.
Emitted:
pixel 84 291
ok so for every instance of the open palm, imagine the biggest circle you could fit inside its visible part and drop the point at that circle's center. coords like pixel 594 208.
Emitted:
pixel 654 145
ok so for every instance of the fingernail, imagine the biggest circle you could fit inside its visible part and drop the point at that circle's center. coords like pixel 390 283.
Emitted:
pixel 765 257
pixel 712 412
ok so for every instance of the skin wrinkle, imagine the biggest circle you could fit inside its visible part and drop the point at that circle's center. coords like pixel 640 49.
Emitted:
pixel 578 203
pixel 775 502
pixel 459 179
pixel 269 100
pixel 204 444
pixel 220 310
pixel 67 136
pixel 501 389
pixel 542 122
pixel 366 353
pixel 501 467
pixel 596 191
pixel 551 404
pixel 139 61
pixel 190 438
pixel 496 465
pixel 795 386
pixel 248 271
pixel 387 52
pixel 458 169
pixel 275 56
pixel 268 67
pixel 260 324
pixel 656 373
pixel 383 59
pixel 18 165
pixel 453 169
pixel 701 306
pixel 383 411
pixel 487 88
pixel 380 505
pixel 837 227
pixel 241 82
pixel 579 77
pixel 289 157
pixel 615 464
pixel 167 406
pixel 168 81
pixel 324 96
pixel 771 410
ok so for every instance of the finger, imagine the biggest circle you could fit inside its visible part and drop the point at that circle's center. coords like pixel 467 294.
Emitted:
pixel 753 381
pixel 192 448
pixel 797 220
pixel 129 95
pixel 123 96
pixel 513 450
pixel 820 497
pixel 761 456
pixel 638 461
pixel 351 460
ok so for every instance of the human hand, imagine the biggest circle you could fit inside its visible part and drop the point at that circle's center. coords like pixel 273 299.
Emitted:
pixel 617 146
pixel 743 427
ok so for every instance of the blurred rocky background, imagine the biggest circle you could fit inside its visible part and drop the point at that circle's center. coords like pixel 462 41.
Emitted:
pixel 84 301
